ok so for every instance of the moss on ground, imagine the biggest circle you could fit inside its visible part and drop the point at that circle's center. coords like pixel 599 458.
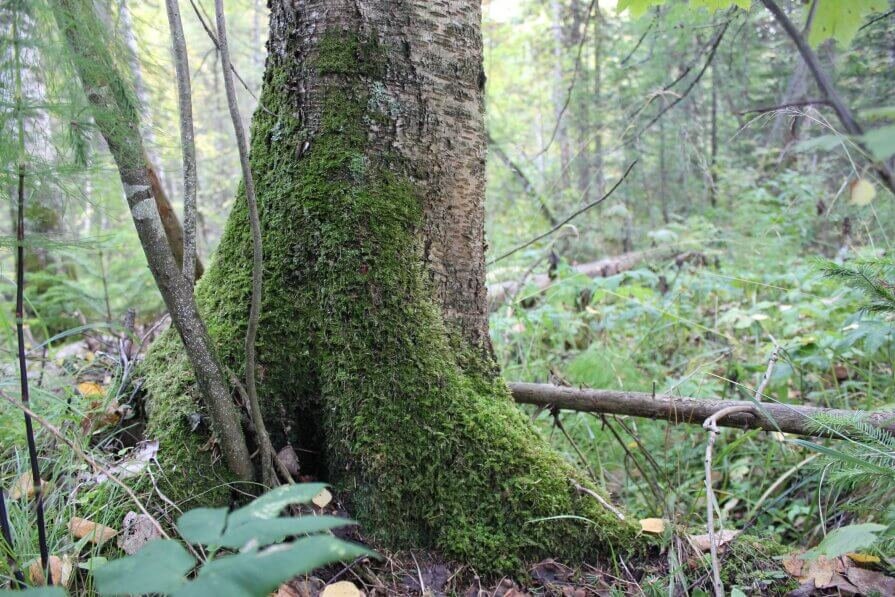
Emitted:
pixel 355 360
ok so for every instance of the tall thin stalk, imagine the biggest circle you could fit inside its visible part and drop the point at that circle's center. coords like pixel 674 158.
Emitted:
pixel 257 252
pixel 20 309
pixel 6 546
pixel 187 140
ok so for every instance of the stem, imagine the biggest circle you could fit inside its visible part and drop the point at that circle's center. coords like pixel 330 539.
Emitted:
pixel 7 543
pixel 20 312
pixel 187 141
pixel 851 126
pixel 257 252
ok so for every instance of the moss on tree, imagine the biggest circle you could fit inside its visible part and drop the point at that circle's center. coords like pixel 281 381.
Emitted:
pixel 356 362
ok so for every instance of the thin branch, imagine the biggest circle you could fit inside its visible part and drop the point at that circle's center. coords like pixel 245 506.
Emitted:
pixel 257 251
pixel 603 502
pixel 97 466
pixel 20 308
pixel 639 42
pixel 799 104
pixel 187 139
pixel 876 19
pixel 851 126
pixel 527 185
pixel 571 87
pixel 568 219
pixel 7 546
pixel 714 48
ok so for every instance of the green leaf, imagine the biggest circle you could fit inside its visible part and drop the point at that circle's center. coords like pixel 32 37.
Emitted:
pixel 267 531
pixel 824 142
pixel 271 504
pixel 881 142
pixel 853 537
pixel 258 573
pixel 160 567
pixel 637 7
pixel 716 5
pixel 36 592
pixel 203 525
pixel 841 19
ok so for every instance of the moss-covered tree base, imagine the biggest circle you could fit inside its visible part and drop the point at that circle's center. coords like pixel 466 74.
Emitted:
pixel 357 366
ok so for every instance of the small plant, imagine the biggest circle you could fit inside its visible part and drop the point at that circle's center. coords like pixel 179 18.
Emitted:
pixel 256 559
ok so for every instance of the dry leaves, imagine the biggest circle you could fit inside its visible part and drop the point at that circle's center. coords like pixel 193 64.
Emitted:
pixel 91 389
pixel 862 192
pixel 60 571
pixel 22 487
pixel 703 544
pixel 322 499
pixel 94 532
pixel 652 525
pixel 843 573
pixel 137 530
pixel 342 588
pixel 134 464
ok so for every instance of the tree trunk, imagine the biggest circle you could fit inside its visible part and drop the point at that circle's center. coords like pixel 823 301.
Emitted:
pixel 373 349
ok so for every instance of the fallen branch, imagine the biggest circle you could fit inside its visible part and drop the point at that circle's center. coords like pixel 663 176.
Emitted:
pixel 603 268
pixel 787 418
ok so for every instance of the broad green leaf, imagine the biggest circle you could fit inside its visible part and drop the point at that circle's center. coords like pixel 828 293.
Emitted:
pixel 841 19
pixel 716 5
pixel 203 525
pixel 824 142
pixel 258 573
pixel 36 592
pixel 846 539
pixel 271 504
pixel 881 113
pixel 637 8
pixel 881 142
pixel 160 567
pixel 267 531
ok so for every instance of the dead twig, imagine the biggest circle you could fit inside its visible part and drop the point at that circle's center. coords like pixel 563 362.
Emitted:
pixel 89 460
pixel 603 502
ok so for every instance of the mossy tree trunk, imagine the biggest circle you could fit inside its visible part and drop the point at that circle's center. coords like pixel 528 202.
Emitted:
pixel 368 157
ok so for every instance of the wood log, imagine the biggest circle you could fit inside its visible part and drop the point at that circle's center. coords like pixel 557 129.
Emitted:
pixel 788 418
pixel 498 293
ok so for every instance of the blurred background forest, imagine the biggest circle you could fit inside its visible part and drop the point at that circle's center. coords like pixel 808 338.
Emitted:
pixel 712 246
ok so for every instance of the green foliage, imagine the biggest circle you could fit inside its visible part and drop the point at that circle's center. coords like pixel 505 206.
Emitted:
pixel 260 565
pixel 851 538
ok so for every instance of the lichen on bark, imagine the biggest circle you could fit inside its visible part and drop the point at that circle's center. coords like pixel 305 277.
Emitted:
pixel 357 364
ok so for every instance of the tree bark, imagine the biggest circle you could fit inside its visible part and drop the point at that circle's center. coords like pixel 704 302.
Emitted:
pixel 787 418
pixel 373 351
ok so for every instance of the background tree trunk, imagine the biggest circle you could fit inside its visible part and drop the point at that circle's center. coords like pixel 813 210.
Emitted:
pixel 373 351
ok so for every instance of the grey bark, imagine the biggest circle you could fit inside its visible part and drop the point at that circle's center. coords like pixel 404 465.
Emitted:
pixel 118 121
pixel 187 140
pixel 676 409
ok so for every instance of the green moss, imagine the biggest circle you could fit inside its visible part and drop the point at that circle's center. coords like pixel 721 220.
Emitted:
pixel 754 561
pixel 190 474
pixel 355 361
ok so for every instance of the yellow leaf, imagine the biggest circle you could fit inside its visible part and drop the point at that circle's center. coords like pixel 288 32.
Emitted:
pixel 96 533
pixel 22 488
pixel 60 571
pixel 341 589
pixel 91 389
pixel 322 499
pixel 862 558
pixel 862 192
pixel 652 525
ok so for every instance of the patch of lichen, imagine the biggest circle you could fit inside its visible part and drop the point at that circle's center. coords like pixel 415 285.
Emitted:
pixel 412 424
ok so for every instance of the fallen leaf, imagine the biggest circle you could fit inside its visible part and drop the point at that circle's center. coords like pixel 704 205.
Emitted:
pixel 862 558
pixel 652 525
pixel 22 487
pixel 289 459
pixel 60 571
pixel 342 588
pixel 136 531
pixel 134 464
pixel 322 499
pixel 550 572
pixel 91 389
pixel 703 544
pixel 96 533
pixel 862 192
pixel 286 591
pixel 793 564
pixel 870 581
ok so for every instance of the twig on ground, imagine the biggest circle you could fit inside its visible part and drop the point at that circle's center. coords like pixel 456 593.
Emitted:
pixel 582 489
pixel 89 460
